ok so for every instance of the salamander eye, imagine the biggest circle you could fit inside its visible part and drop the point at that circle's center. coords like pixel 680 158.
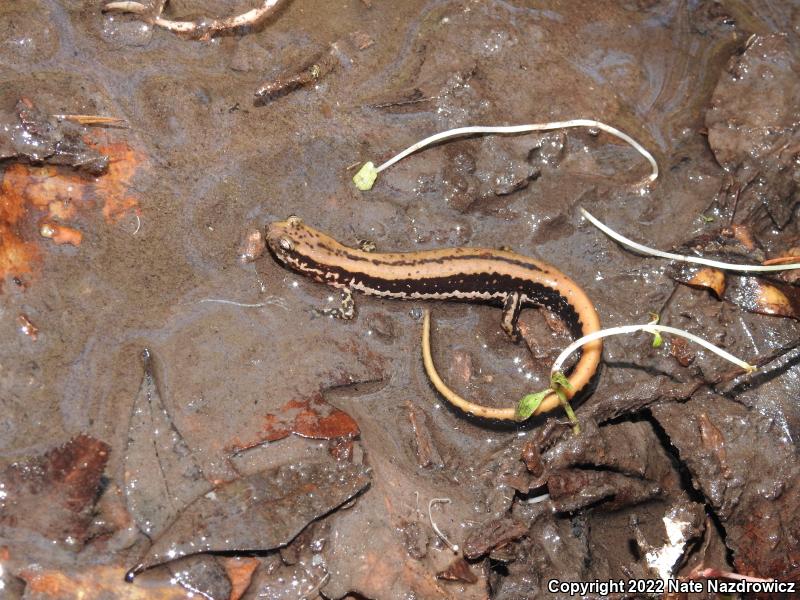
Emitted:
pixel 286 244
pixel 294 220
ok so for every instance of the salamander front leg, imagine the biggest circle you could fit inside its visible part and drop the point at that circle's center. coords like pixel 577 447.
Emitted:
pixel 511 310
pixel 346 311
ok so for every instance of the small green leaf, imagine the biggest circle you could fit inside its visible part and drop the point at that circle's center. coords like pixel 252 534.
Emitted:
pixel 707 219
pixel 559 380
pixel 528 405
pixel 366 176
pixel 657 339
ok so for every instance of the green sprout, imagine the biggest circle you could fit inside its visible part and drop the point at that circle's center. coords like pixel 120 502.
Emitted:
pixel 658 341
pixel 529 403
pixel 560 385
pixel 366 176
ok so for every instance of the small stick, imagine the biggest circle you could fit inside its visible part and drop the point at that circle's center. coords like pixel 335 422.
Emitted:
pixel 681 257
pixel 781 260
pixel 442 536
pixel 203 28
pixel 92 120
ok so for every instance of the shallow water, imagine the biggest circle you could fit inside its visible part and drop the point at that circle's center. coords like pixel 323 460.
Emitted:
pixel 208 167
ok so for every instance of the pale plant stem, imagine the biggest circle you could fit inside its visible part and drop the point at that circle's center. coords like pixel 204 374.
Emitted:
pixel 652 329
pixel 681 257
pixel 452 546
pixel 512 129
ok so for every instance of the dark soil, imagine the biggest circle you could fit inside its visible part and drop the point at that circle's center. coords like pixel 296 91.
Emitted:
pixel 249 402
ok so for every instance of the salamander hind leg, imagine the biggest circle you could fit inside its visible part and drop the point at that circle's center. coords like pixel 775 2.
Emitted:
pixel 511 310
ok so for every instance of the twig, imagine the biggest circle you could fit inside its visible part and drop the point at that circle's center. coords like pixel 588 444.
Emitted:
pixel 366 176
pixel 681 257
pixel 201 29
pixel 93 120
pixel 442 536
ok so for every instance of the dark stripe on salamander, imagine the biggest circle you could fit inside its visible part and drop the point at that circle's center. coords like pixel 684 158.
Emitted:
pixel 447 287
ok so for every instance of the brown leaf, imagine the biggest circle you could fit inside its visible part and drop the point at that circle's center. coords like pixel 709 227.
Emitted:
pixel 458 571
pixel 66 480
pixel 313 418
pixel 492 534
pixel 757 295
pixel 710 279
pixel 259 512
pixel 573 489
pixel 161 476
pixel 240 571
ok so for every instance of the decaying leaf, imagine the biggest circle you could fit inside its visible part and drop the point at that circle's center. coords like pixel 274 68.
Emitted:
pixel 313 418
pixel 161 476
pixel 492 534
pixel 260 512
pixel 757 295
pixel 240 571
pixel 66 480
pixel 710 279
pixel 458 571
pixel 202 574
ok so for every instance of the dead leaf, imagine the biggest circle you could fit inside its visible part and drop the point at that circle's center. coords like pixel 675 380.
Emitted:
pixel 313 418
pixel 260 512
pixel 710 279
pixel 757 295
pixel 240 571
pixel 494 533
pixel 458 571
pixel 161 476
pixel 66 480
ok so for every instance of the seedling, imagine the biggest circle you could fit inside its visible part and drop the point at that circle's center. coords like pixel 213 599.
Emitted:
pixel 681 257
pixel 366 176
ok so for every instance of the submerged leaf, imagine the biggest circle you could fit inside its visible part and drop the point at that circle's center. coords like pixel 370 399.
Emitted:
pixel 54 493
pixel 161 477
pixel 260 512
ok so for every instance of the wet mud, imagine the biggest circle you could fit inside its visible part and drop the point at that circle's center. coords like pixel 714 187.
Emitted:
pixel 173 399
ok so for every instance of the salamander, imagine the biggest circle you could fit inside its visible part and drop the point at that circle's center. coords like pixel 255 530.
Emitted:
pixel 479 275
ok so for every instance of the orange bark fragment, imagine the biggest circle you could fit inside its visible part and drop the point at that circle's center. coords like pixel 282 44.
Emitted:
pixel 58 194
pixel 96 583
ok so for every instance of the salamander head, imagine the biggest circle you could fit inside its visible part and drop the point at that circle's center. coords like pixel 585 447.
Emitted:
pixel 293 243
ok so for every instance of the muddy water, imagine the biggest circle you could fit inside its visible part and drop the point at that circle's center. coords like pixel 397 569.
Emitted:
pixel 211 167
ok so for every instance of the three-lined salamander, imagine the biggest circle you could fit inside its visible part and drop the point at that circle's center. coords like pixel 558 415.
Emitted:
pixel 480 275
